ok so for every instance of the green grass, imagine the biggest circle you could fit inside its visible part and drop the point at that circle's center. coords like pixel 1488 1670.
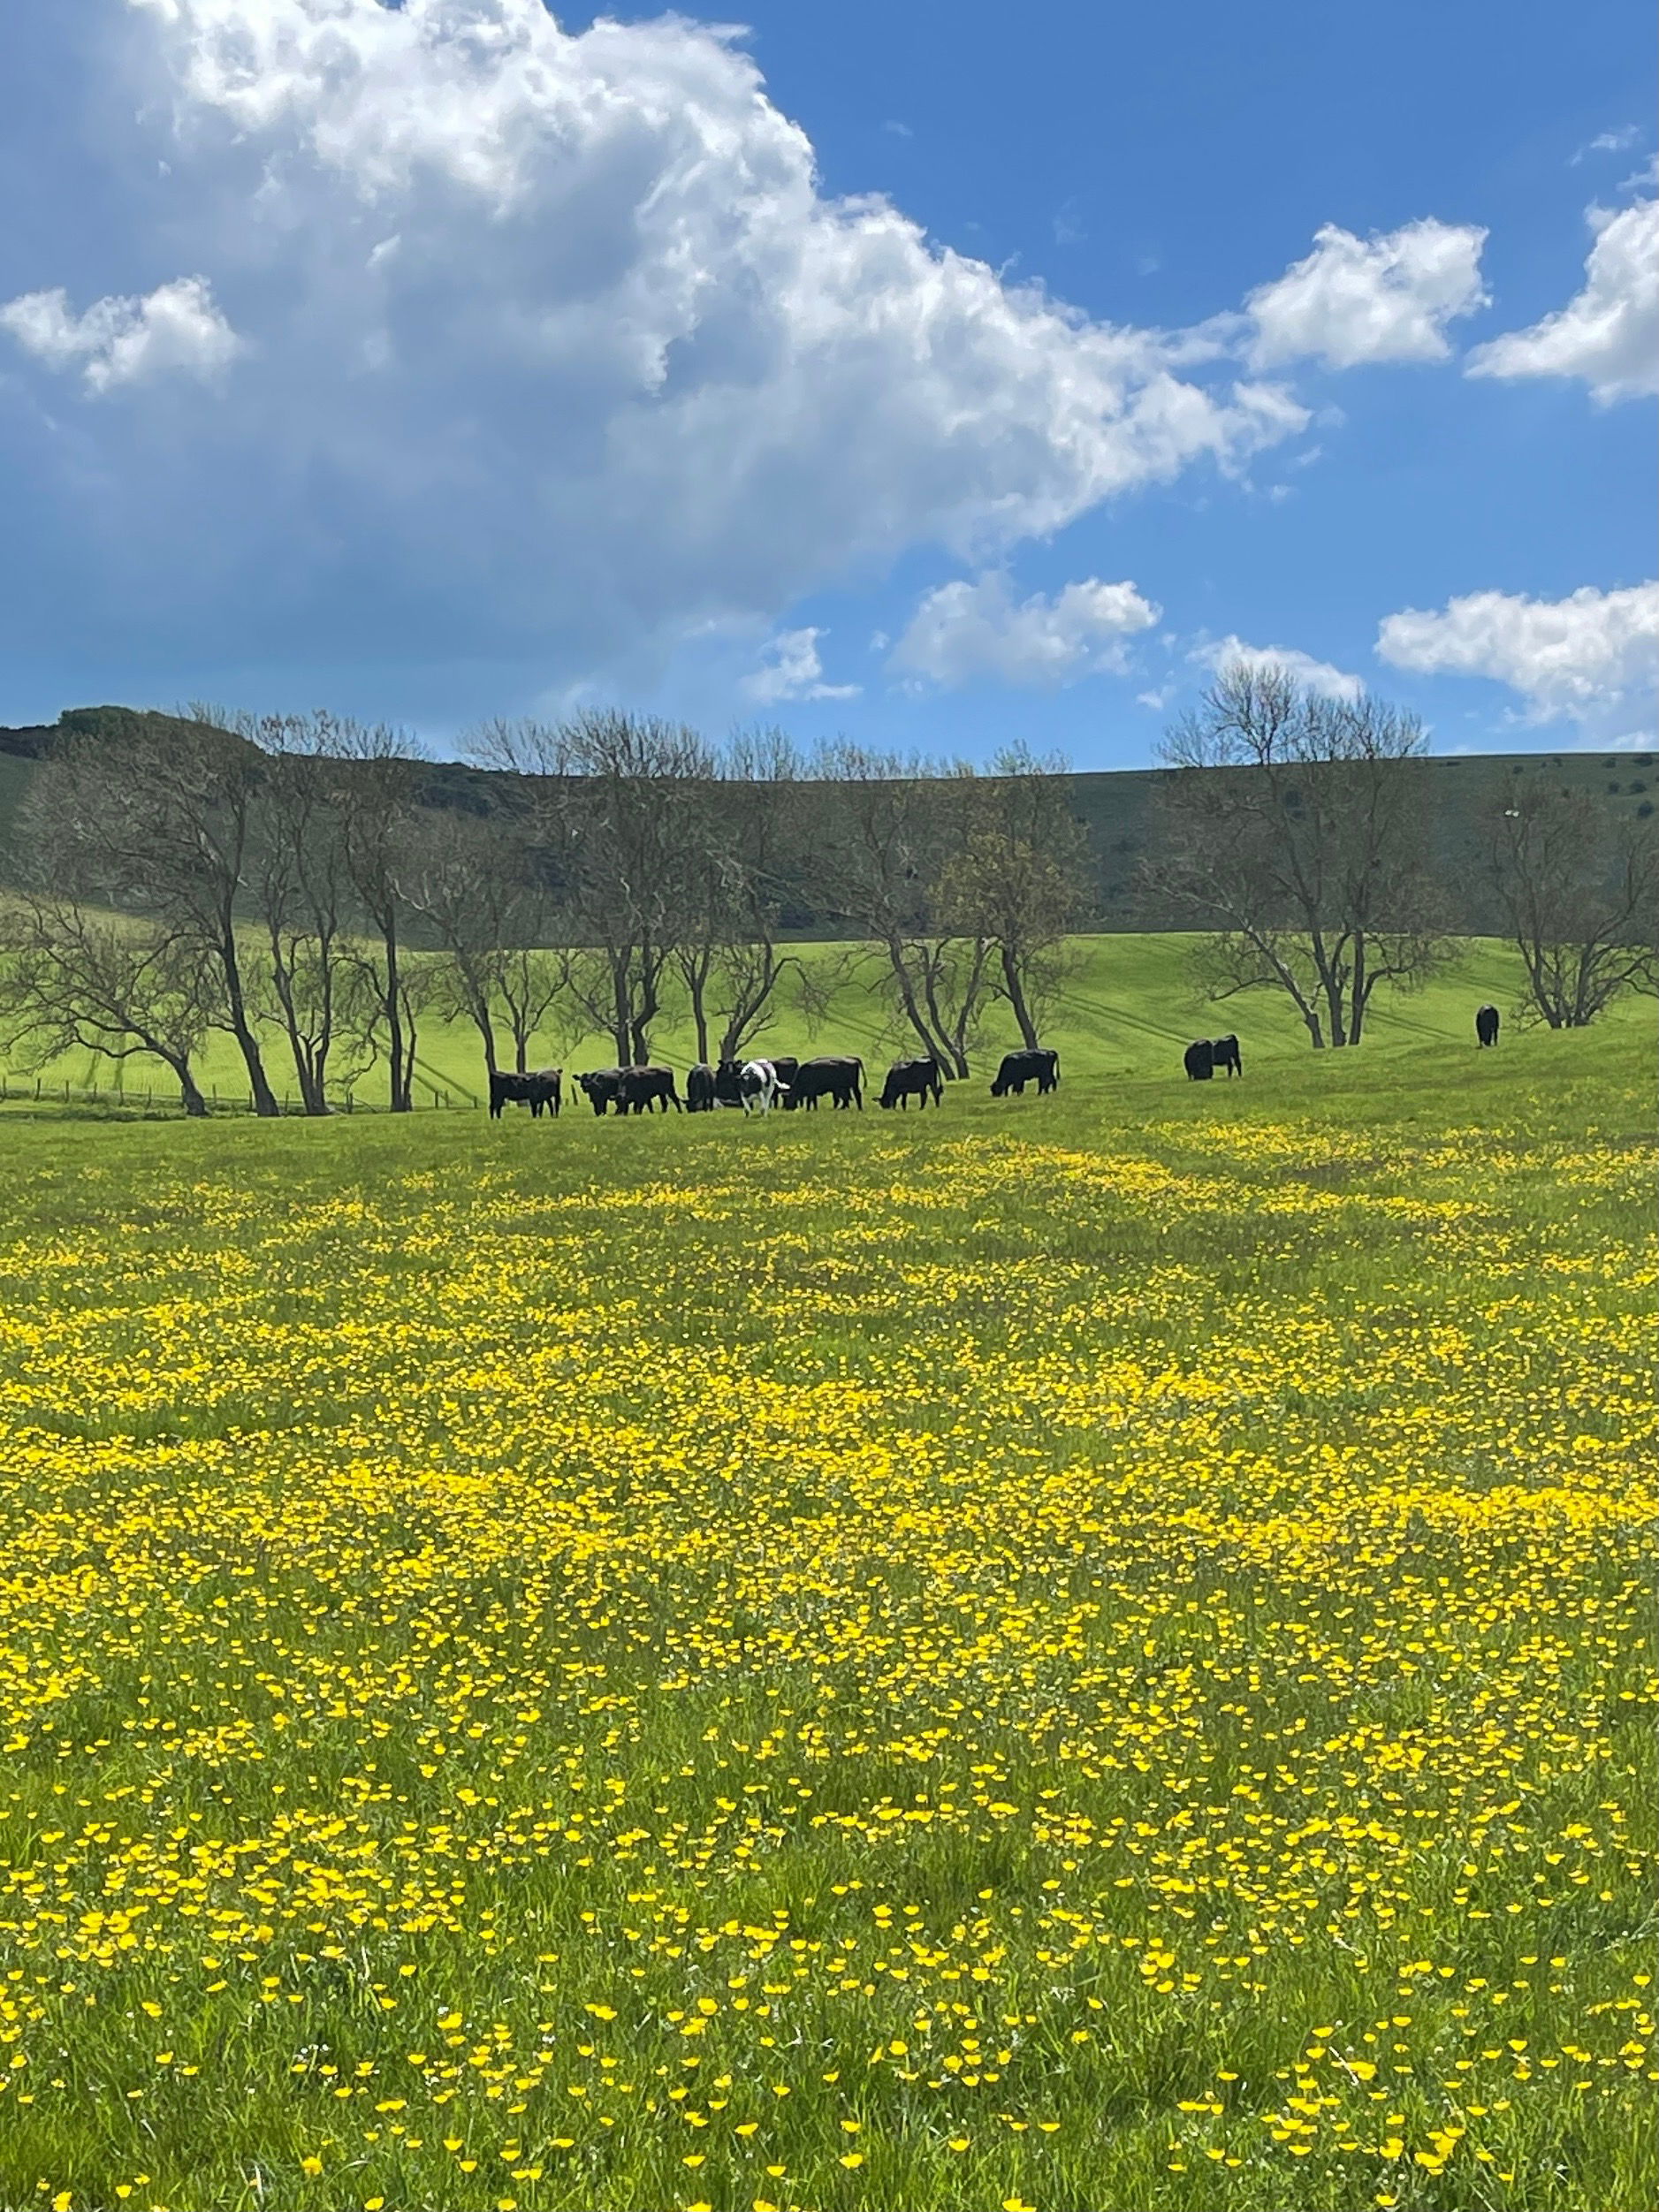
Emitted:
pixel 1128 1013
pixel 1088 1653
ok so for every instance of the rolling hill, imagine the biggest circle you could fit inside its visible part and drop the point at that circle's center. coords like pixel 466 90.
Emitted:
pixel 1116 808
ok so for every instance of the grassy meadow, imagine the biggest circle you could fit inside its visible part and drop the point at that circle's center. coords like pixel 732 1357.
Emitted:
pixel 1128 1010
pixel 1084 1655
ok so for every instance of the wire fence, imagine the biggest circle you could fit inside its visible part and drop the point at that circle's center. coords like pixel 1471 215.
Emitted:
pixel 52 1090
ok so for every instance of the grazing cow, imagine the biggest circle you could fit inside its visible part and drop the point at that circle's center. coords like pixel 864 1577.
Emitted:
pixel 1224 1053
pixel 728 1087
pixel 907 1079
pixel 787 1067
pixel 1486 1025
pixel 601 1087
pixel 700 1093
pixel 1199 1060
pixel 757 1079
pixel 1040 1066
pixel 539 1089
pixel 642 1090
pixel 840 1079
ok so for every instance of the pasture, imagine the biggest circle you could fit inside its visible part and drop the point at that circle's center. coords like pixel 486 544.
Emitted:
pixel 1088 1653
pixel 1127 1009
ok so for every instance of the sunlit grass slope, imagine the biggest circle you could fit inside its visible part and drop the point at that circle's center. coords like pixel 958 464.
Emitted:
pixel 1129 1010
pixel 1087 1653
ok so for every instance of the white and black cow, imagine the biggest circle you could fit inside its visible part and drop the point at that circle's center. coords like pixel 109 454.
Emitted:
pixel 758 1086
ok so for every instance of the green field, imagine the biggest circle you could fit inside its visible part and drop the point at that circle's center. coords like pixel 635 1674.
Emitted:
pixel 1088 1653
pixel 1128 1013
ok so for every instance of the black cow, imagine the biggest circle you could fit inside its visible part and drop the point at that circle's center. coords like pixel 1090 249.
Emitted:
pixel 537 1090
pixel 641 1090
pixel 601 1087
pixel 840 1079
pixel 700 1093
pixel 1040 1066
pixel 1199 1060
pixel 1486 1025
pixel 788 1068
pixel 907 1079
pixel 1224 1053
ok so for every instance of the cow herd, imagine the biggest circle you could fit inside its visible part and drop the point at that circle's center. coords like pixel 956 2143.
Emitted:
pixel 756 1086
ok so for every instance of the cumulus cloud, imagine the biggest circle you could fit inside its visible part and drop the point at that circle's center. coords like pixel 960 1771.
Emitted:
pixel 1608 333
pixel 1319 676
pixel 555 342
pixel 177 328
pixel 1354 301
pixel 791 669
pixel 965 630
pixel 1592 658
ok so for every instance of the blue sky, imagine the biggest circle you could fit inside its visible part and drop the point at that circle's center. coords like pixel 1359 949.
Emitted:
pixel 934 374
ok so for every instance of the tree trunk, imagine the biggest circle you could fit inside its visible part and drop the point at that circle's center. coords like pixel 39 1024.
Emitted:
pixel 1359 992
pixel 1014 985
pixel 699 1014
pixel 486 1031
pixel 264 1097
pixel 308 1060
pixel 1330 983
pixel 194 1104
pixel 648 1001
pixel 400 1088
pixel 621 1000
pixel 258 1083
pixel 933 1045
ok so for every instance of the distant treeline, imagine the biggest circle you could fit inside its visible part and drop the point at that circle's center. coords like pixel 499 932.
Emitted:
pixel 1116 812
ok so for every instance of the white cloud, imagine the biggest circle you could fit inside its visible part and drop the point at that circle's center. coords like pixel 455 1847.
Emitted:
pixel 555 346
pixel 1592 658
pixel 965 630
pixel 1354 301
pixel 793 670
pixel 1618 141
pixel 1608 333
pixel 121 341
pixel 1318 676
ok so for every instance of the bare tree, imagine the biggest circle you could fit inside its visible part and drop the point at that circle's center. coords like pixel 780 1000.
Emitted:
pixel 1579 903
pixel 892 826
pixel 162 823
pixel 374 786
pixel 71 978
pixel 754 830
pixel 476 882
pixel 620 805
pixel 301 891
pixel 1019 880
pixel 1294 821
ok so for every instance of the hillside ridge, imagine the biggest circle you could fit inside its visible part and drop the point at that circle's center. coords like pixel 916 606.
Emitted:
pixel 1115 805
